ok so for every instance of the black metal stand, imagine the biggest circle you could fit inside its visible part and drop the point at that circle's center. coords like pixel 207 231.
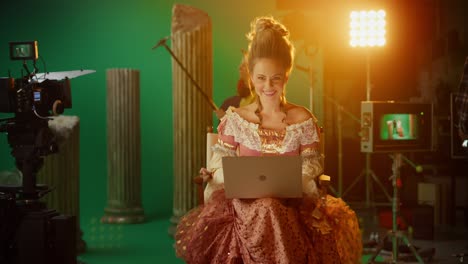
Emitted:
pixel 395 234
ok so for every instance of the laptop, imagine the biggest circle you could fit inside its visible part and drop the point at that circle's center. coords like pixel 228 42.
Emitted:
pixel 262 176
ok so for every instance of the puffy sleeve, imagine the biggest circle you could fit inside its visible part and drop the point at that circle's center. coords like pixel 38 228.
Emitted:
pixel 312 159
pixel 226 146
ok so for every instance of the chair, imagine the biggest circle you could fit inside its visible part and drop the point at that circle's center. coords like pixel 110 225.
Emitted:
pixel 323 180
pixel 211 139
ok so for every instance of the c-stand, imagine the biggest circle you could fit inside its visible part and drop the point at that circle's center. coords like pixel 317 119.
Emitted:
pixel 396 234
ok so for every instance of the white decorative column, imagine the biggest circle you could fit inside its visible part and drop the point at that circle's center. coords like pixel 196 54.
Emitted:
pixel 123 148
pixel 192 44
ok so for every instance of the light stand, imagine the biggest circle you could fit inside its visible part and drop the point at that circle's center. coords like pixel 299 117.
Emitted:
pixel 367 29
pixel 396 234
pixel 368 172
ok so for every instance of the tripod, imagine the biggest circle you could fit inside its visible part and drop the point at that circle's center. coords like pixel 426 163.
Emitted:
pixel 395 234
pixel 368 172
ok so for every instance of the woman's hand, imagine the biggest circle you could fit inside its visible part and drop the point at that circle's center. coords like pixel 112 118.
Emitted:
pixel 206 174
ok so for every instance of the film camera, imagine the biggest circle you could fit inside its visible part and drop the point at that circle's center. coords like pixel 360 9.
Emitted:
pixel 29 231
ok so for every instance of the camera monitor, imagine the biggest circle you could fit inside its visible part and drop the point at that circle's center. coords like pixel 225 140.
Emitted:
pixel 389 126
pixel 24 50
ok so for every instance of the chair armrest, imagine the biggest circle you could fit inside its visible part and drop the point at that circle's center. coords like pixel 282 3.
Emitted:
pixel 198 180
pixel 323 183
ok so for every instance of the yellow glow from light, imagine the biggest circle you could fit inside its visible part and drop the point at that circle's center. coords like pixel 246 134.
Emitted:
pixel 367 28
pixel 381 13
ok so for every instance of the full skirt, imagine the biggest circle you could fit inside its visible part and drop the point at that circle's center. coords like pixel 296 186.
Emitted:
pixel 269 230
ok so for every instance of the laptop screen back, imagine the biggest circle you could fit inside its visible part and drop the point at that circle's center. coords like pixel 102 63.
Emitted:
pixel 263 176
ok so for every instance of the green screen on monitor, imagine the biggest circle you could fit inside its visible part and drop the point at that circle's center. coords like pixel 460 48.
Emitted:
pixel 398 127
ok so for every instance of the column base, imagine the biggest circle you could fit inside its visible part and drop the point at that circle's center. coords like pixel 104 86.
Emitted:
pixel 123 215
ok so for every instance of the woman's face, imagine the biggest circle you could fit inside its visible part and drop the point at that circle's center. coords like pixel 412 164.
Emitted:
pixel 269 79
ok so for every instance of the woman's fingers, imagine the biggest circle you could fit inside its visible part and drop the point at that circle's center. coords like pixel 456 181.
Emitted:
pixel 206 174
pixel 207 177
pixel 205 171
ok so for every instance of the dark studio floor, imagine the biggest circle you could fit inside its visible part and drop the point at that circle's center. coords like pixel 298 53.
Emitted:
pixel 445 244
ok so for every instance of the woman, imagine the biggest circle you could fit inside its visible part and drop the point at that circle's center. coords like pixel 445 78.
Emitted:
pixel 269 230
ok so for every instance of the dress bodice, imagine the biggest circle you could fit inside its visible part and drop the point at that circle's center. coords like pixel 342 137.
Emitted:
pixel 253 140
pixel 271 141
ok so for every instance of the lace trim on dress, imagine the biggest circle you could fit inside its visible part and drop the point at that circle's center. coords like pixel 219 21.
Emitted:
pixel 247 133
pixel 308 129
pixel 243 131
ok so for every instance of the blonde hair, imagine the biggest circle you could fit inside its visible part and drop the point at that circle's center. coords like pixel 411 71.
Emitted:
pixel 268 38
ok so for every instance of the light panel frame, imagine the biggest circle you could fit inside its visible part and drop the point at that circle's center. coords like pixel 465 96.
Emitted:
pixel 367 28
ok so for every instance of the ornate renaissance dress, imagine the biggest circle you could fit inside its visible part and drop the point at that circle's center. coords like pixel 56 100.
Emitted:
pixel 311 229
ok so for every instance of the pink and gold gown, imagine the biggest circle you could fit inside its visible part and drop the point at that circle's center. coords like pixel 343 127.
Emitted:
pixel 311 229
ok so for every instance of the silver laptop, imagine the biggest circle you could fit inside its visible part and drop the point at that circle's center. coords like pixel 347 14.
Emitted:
pixel 263 176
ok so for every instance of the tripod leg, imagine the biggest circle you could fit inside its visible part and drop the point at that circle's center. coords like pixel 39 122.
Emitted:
pixel 379 247
pixel 335 192
pixel 411 247
pixel 352 184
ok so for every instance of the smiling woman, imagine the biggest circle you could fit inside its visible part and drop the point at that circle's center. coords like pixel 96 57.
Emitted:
pixel 316 228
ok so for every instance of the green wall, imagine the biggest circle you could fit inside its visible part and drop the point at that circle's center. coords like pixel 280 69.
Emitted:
pixel 107 34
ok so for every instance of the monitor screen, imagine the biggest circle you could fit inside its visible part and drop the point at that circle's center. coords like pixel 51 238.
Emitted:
pixel 399 127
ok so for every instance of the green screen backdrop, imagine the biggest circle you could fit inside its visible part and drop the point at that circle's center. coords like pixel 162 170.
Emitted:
pixel 99 35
